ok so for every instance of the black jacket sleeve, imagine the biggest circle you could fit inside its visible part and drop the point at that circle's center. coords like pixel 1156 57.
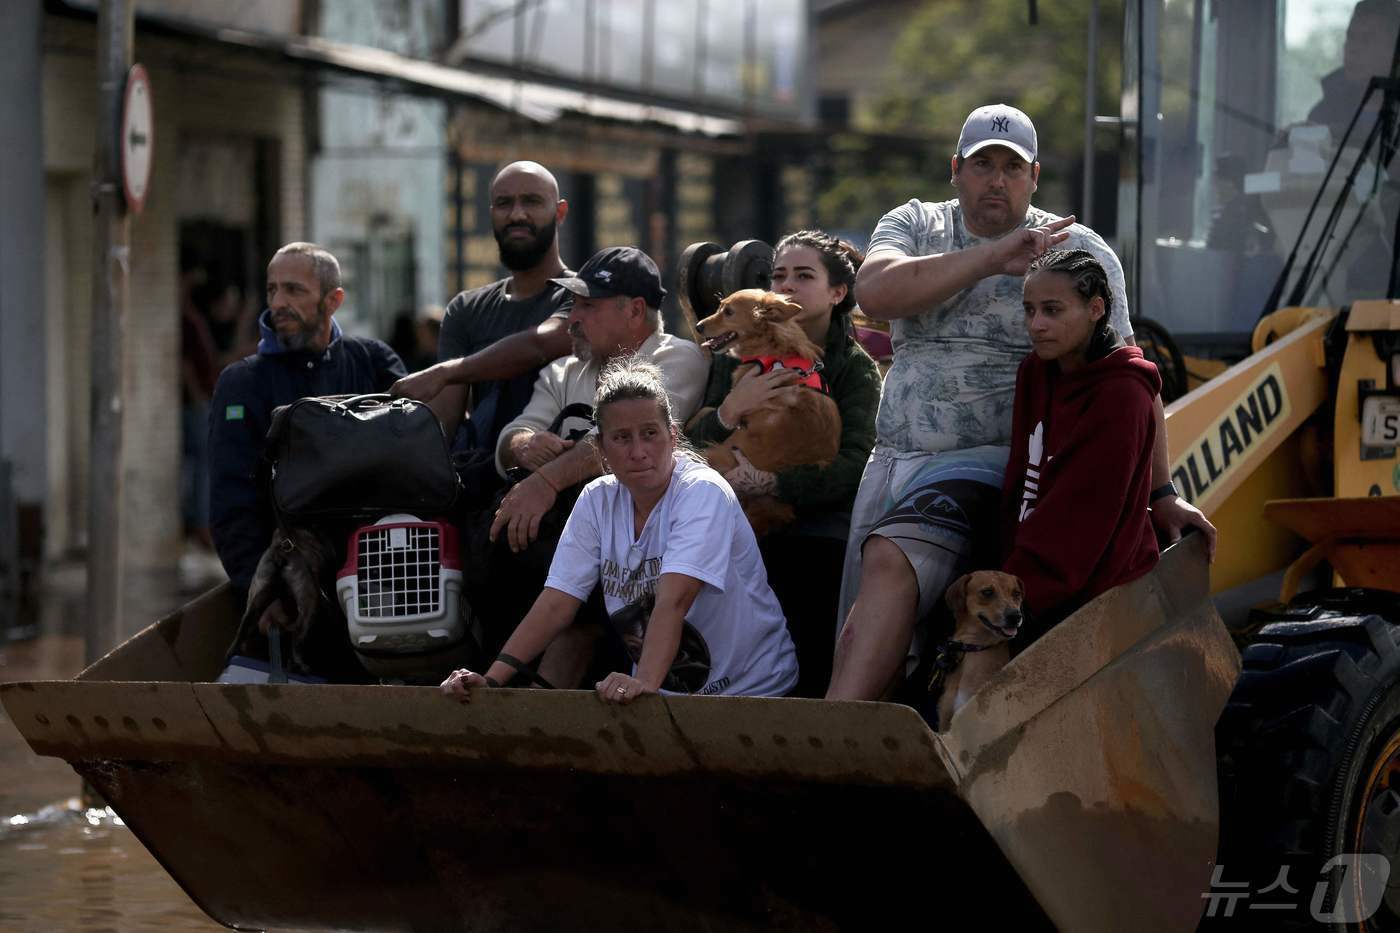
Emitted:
pixel 240 518
pixel 388 368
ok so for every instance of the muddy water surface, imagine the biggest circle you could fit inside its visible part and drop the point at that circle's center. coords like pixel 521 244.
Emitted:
pixel 69 868
pixel 66 864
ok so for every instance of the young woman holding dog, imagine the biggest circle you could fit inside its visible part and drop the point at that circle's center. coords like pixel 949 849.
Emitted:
pixel 1074 509
pixel 665 531
pixel 818 272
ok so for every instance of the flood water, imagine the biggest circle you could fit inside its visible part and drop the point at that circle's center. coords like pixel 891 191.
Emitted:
pixel 69 868
pixel 66 864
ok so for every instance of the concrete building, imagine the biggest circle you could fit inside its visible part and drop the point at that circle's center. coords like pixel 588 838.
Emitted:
pixel 854 41
pixel 228 181
pixel 373 128
pixel 658 118
pixel 377 167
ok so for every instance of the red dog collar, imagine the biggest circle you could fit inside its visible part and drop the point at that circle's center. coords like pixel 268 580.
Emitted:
pixel 809 369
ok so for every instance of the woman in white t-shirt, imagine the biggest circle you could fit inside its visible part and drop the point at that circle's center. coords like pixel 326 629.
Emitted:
pixel 678 563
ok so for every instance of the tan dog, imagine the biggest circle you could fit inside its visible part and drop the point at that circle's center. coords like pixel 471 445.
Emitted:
pixel 986 608
pixel 801 425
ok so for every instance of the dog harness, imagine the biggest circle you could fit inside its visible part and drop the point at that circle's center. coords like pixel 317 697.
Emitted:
pixel 950 654
pixel 809 370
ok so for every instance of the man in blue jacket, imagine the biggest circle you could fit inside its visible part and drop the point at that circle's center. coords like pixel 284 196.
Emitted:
pixel 302 353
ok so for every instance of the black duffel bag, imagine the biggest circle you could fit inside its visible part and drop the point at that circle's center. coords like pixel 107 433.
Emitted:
pixel 359 456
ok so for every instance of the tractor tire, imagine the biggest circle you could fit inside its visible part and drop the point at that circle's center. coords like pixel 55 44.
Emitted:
pixel 1309 748
pixel 1158 346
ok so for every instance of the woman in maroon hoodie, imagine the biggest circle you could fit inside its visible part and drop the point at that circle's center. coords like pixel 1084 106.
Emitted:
pixel 1074 503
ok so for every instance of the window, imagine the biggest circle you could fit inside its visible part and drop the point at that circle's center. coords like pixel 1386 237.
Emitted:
pixel 1239 108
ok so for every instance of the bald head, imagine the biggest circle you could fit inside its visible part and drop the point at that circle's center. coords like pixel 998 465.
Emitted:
pixel 531 170
pixel 526 211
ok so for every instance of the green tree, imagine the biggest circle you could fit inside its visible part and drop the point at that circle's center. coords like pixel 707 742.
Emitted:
pixel 955 55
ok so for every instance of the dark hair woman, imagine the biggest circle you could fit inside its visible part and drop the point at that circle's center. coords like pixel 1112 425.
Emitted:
pixel 804 563
pixel 1074 503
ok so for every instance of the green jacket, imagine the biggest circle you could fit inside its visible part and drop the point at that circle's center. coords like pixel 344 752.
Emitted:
pixel 854 380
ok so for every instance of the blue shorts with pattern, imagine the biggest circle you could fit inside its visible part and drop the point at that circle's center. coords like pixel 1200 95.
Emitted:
pixel 936 507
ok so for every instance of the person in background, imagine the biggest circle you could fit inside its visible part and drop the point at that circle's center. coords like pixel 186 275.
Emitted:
pixel 804 562
pixel 1366 54
pixel 616 312
pixel 427 330
pixel 415 337
pixel 1237 220
pixel 199 368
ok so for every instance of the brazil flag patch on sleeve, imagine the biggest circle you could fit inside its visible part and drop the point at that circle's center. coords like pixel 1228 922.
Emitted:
pixel 233 413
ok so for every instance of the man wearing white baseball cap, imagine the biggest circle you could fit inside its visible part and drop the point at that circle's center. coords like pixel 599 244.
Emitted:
pixel 947 275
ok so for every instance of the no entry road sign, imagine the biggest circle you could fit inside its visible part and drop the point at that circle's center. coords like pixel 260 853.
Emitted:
pixel 137 138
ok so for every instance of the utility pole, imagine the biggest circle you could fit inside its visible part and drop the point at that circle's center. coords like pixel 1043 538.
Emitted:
pixel 1091 106
pixel 111 269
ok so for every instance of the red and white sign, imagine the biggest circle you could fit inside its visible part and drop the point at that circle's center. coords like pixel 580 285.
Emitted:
pixel 137 138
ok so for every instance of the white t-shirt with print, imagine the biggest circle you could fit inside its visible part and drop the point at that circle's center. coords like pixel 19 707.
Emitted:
pixel 698 529
pixel 953 378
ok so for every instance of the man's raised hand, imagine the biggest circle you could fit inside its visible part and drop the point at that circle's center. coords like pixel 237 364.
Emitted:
pixel 1022 246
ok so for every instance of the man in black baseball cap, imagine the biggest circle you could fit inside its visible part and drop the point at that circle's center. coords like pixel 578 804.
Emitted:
pixel 617 296
pixel 617 270
pixel 616 311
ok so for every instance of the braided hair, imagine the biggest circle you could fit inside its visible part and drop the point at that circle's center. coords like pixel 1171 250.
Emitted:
pixel 1090 281
pixel 840 259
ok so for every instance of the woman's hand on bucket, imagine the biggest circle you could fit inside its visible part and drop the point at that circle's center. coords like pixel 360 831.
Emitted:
pixel 459 683
pixel 620 688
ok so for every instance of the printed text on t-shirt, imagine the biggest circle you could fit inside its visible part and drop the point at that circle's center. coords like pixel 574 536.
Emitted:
pixel 630 584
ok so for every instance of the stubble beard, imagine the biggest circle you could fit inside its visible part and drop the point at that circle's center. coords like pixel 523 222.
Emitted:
pixel 582 349
pixel 307 331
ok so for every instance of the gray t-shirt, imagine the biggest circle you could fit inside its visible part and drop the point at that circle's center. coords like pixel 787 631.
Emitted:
pixel 954 373
pixel 477 319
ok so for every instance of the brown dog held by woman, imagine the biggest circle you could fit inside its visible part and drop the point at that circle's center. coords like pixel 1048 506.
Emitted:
pixel 986 608
pixel 802 425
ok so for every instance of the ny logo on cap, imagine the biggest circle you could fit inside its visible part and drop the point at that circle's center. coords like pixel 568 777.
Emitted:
pixel 603 275
pixel 1001 124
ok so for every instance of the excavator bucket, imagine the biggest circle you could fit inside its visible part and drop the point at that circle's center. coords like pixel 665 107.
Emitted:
pixel 1087 765
pixel 1091 757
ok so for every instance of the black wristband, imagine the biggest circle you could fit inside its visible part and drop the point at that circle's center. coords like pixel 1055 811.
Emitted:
pixel 1166 489
pixel 490 681
pixel 510 661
